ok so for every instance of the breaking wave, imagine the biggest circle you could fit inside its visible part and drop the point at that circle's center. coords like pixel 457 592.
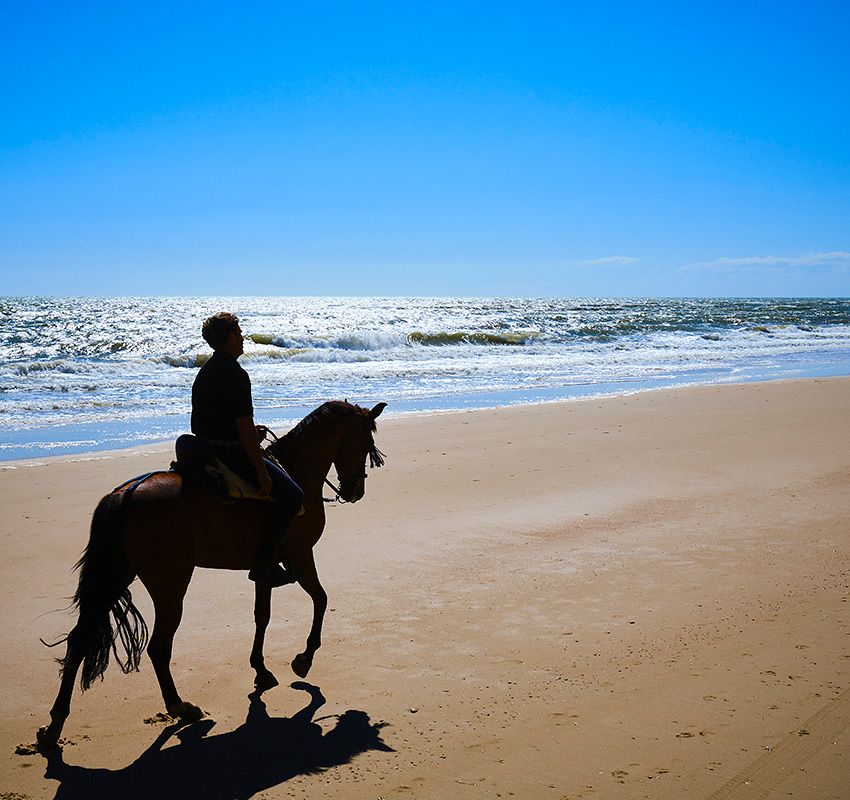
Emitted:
pixel 445 338
pixel 126 365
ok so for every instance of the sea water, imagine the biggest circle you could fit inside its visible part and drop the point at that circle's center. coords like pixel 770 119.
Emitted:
pixel 85 374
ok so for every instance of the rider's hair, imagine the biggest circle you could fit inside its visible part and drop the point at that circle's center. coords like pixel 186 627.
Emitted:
pixel 218 327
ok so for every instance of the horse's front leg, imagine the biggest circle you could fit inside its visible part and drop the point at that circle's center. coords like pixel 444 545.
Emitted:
pixel 264 679
pixel 309 581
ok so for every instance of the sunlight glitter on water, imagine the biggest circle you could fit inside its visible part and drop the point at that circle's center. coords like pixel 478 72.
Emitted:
pixel 118 371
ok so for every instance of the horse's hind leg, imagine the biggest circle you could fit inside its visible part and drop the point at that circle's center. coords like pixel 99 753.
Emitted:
pixel 167 593
pixel 48 736
pixel 263 679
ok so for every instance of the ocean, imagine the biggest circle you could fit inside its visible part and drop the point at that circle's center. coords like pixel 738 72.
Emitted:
pixel 85 374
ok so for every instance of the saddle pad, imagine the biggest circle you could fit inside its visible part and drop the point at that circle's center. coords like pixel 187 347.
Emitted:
pixel 237 487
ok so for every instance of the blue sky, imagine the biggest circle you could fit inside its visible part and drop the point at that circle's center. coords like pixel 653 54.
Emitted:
pixel 566 149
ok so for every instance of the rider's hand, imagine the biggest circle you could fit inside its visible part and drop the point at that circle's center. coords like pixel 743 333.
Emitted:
pixel 262 432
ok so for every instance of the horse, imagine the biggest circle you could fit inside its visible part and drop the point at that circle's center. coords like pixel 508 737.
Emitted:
pixel 161 526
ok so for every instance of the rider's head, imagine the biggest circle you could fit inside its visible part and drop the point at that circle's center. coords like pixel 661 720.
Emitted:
pixel 218 327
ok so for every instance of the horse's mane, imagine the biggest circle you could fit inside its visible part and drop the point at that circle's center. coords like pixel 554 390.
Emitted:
pixel 331 408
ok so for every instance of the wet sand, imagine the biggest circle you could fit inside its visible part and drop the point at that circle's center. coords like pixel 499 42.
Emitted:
pixel 641 596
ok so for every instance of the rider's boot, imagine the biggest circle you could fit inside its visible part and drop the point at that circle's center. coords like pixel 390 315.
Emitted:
pixel 267 568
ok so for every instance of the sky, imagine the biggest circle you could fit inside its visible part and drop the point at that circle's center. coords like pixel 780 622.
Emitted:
pixel 529 148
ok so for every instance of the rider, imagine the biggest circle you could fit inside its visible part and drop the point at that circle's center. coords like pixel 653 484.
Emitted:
pixel 223 416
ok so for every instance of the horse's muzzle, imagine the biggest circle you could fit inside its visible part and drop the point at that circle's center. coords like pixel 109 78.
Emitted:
pixel 352 491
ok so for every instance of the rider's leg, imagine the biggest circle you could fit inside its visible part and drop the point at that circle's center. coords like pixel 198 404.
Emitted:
pixel 288 498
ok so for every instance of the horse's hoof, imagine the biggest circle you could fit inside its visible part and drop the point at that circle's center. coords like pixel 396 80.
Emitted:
pixel 188 712
pixel 301 665
pixel 46 739
pixel 265 680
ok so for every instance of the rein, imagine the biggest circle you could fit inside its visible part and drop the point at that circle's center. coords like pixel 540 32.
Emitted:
pixel 335 489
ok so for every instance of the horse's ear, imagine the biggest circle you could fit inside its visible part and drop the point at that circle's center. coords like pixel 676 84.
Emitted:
pixel 376 411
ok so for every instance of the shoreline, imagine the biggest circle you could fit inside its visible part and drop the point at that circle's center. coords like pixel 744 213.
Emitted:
pixel 637 596
pixel 126 378
pixel 159 445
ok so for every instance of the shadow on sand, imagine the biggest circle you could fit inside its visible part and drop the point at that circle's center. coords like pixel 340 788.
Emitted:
pixel 260 754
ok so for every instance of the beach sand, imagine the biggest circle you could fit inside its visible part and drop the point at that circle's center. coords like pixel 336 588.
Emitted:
pixel 633 597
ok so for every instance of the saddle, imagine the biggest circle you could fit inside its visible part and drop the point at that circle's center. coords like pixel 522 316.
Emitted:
pixel 196 463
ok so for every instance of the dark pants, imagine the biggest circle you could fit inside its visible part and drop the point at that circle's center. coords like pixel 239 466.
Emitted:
pixel 286 493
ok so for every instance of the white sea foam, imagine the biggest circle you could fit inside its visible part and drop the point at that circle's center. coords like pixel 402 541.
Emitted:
pixel 119 370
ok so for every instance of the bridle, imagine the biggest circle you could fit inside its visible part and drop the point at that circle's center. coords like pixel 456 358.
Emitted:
pixel 376 459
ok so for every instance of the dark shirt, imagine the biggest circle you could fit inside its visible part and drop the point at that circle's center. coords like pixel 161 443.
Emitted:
pixel 221 394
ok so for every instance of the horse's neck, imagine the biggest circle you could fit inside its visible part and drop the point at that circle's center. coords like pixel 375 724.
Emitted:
pixel 312 453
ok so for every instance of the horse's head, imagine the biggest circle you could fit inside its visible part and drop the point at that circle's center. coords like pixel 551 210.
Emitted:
pixel 338 433
pixel 356 445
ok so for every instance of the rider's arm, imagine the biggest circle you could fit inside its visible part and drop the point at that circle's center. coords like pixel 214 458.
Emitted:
pixel 251 443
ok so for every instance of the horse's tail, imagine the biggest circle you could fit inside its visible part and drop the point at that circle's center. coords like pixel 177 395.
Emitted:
pixel 103 591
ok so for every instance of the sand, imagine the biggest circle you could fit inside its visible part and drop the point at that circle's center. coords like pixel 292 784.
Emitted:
pixel 633 597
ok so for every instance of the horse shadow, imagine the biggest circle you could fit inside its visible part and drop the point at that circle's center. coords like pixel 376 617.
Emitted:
pixel 261 753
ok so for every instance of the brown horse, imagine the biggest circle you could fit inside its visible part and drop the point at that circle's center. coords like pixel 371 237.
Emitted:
pixel 160 529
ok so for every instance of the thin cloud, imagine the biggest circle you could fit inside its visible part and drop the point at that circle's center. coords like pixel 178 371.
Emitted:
pixel 836 258
pixel 608 261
